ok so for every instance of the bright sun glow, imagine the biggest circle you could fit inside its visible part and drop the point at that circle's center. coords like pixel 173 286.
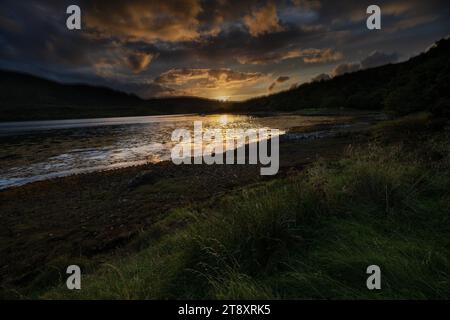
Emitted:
pixel 223 98
pixel 223 119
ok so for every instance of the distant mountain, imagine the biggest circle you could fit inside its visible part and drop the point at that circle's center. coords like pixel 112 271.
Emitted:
pixel 421 83
pixel 27 97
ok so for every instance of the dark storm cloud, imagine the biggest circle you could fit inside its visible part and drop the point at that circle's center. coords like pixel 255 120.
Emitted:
pixel 280 79
pixel 138 61
pixel 346 12
pixel 34 33
pixel 129 44
pixel 378 58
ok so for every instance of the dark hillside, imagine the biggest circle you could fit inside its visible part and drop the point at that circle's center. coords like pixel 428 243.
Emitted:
pixel 421 83
pixel 26 97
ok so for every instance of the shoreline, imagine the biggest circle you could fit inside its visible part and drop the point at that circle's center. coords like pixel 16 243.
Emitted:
pixel 95 214
pixel 313 132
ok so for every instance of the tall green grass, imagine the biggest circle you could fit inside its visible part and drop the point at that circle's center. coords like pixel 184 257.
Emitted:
pixel 308 236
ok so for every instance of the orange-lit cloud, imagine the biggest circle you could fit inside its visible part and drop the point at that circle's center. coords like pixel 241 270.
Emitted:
pixel 145 20
pixel 210 83
pixel 263 20
pixel 310 55
pixel 321 55
pixel 209 78
pixel 346 68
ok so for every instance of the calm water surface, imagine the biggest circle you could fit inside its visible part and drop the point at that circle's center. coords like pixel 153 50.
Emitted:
pixel 39 150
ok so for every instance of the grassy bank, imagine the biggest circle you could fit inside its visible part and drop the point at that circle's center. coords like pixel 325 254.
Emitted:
pixel 311 235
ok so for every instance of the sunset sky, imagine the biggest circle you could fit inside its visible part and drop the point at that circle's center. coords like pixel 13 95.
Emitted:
pixel 216 49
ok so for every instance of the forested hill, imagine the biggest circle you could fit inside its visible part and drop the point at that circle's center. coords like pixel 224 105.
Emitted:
pixel 421 83
pixel 27 97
